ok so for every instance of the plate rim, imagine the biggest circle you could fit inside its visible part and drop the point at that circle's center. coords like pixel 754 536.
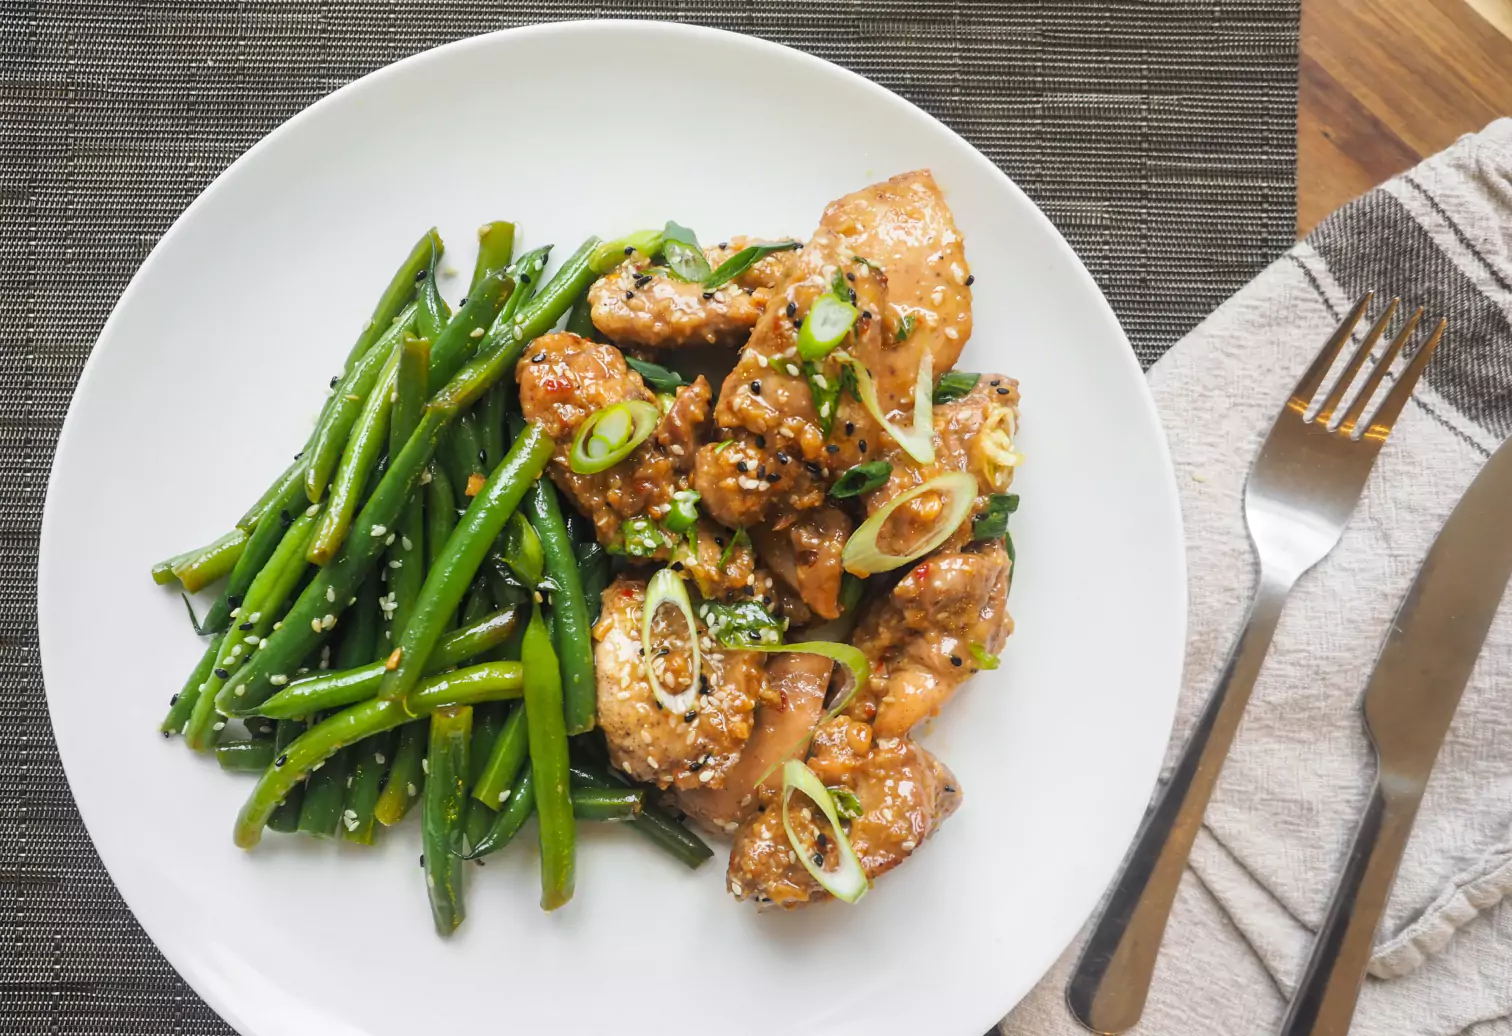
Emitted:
pixel 184 963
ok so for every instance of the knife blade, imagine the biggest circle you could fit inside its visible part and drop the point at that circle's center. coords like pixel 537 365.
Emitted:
pixel 1410 700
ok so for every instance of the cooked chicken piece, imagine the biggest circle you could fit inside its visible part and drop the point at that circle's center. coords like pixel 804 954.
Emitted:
pixel 905 793
pixel 804 550
pixel 973 434
pixel 778 458
pixel 638 304
pixel 796 686
pixel 563 379
pixel 919 638
pixel 693 750
pixel 904 225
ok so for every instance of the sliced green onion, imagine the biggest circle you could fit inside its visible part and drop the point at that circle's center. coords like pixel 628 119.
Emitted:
pixel 829 320
pixel 741 623
pixel 954 385
pixel 918 441
pixel 847 882
pixel 684 256
pixel 993 524
pixel 666 587
pixel 846 802
pixel 721 447
pixel 661 379
pixel 741 538
pixel 610 254
pixel 644 538
pixel 862 555
pixel 610 435
pixel 825 388
pixel 905 328
pixel 984 659
pixel 683 514
pixel 743 260
pixel 862 478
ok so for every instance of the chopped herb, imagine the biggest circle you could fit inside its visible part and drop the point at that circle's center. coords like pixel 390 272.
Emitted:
pixel 984 658
pixel 684 511
pixel 954 385
pixel 867 263
pixel 993 523
pixel 740 537
pixel 643 538
pixel 744 259
pixel 684 257
pixel 905 328
pixel 846 803
pixel 721 447
pixel 741 623
pixel 862 478
pixel 660 378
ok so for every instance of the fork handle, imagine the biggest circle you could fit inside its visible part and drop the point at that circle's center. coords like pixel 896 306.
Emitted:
pixel 1324 1002
pixel 1109 985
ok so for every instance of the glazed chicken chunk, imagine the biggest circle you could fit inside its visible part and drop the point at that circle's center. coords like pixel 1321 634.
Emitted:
pixel 649 307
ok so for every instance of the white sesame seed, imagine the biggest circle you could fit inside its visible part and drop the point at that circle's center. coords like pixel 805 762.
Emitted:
pixel 705 777
pixel 235 612
pixel 312 510
pixel 254 616
pixel 651 761
pixel 645 735
pixel 263 642
pixel 793 370
pixel 378 530
pixel 909 845
pixel 952 333
pixel 411 789
pixel 278 679
pixel 219 725
pixel 378 758
pixel 763 360
pixel 252 638
pixel 396 563
pixel 329 622
pixel 331 594
pixel 404 541
pixel 623 696
pixel 477 332
pixel 425 476
pixel 425 765
pixel 388 541
pixel 236 650
pixel 519 335
pixel 278 625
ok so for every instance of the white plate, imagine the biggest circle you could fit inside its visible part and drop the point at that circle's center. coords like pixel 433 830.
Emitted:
pixel 227 336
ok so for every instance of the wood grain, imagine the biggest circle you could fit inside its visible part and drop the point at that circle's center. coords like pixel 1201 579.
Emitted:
pixel 1386 83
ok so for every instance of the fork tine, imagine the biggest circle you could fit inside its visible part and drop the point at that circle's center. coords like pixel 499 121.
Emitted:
pixel 1396 399
pixel 1312 380
pixel 1378 374
pixel 1352 368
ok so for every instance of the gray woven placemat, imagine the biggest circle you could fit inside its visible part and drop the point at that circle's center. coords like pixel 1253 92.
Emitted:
pixel 1160 138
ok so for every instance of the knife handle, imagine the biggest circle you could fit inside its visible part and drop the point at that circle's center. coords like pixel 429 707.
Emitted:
pixel 1324 1002
pixel 1111 980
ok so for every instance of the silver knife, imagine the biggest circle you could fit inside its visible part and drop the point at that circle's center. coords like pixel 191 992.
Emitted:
pixel 1412 695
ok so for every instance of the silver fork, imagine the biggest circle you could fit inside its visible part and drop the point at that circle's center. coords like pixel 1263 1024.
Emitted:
pixel 1303 486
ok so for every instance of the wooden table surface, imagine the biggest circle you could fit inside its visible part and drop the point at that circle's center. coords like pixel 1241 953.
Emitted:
pixel 1385 83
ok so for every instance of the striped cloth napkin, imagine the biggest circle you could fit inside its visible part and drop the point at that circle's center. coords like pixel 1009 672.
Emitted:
pixel 1291 793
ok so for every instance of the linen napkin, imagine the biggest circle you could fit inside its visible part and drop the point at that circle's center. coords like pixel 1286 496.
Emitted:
pixel 1290 796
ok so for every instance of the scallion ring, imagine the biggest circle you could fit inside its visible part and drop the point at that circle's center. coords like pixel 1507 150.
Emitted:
pixel 862 555
pixel 848 881
pixel 610 435
pixel 666 587
pixel 918 441
pixel 829 320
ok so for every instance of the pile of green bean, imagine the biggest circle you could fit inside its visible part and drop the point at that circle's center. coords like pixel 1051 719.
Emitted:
pixel 405 611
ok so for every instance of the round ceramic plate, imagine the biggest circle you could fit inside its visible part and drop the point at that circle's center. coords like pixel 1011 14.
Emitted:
pixel 207 377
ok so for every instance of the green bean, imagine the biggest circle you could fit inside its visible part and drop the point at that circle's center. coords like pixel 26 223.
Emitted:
pixel 181 705
pixel 580 319
pixel 490 423
pixel 370 764
pixel 464 455
pixel 203 565
pixel 604 804
pixel 548 763
pixel 322 598
pixel 258 611
pixel 405 558
pixel 573 629
pixel 329 439
pixel 325 791
pixel 431 310
pixel 495 247
pixel 401 288
pixel 458 342
pixel 502 764
pixel 440 512
pixel 448 579
pixel 479 600
pixel 321 691
pixel 487 719
pixel 368 435
pixel 491 681
pixel 264 540
pixel 519 803
pixel 406 775
pixel 442 815
pixel 654 824
pixel 286 817
pixel 594 574
pixel 293 476
pixel 245 756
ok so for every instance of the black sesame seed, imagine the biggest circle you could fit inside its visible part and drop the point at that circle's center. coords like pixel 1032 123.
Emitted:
pixel 245 626
pixel 995 382
pixel 850 428
pixel 480 862
pixel 813 468
pixel 677 566
pixel 861 445
pixel 280 760
pixel 482 457
pixel 822 839
pixel 299 454
pixel 629 295
pixel 658 706
pixel 850 277
pixel 642 652
pixel 955 660
pixel 419 275
pixel 629 249
pixel 708 295
pixel 422 859
pixel 643 280
pixel 792 310
pixel 463 302
pixel 742 466
pixel 286 517
pixel 970 280
pixel 950 789
pixel 334 379
pixel 755 388
pixel 853 296
pixel 538 358
pixel 1002 392
pixel 818 859
pixel 222 674
pixel 703 685
pixel 724 244
pixel 690 715
pixel 173 700
pixel 664 652
pixel 524 278
pixel 782 458
pixel 774 478
pixel 761 442
pixel 832 448
pixel 719 540
pixel 798 324
pixel 750 591
pixel 761 471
